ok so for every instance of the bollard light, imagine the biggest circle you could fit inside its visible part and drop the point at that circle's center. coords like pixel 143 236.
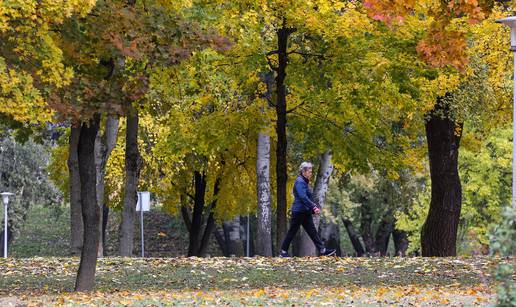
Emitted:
pixel 5 200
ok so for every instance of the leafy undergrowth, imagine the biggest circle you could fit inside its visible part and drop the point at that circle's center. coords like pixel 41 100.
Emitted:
pixel 236 281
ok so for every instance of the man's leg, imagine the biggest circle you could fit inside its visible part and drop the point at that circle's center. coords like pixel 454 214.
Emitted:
pixel 295 223
pixel 308 225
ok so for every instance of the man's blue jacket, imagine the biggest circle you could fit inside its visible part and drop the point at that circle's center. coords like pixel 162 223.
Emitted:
pixel 302 196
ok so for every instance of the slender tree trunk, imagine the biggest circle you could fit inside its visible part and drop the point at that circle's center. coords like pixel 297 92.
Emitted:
pixel 400 242
pixel 322 181
pixel 264 214
pixel 210 223
pixel 132 175
pixel 354 238
pixel 9 237
pixel 232 237
pixel 219 236
pixel 104 145
pixel 186 217
pixel 76 225
pixel 281 131
pixel 208 230
pixel 90 210
pixel 439 234
pixel 105 220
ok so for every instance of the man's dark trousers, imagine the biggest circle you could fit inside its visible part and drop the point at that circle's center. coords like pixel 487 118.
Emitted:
pixel 305 219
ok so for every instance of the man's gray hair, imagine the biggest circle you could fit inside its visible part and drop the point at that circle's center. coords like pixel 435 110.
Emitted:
pixel 304 166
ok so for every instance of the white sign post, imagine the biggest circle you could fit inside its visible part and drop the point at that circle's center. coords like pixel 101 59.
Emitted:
pixel 142 205
pixel 5 200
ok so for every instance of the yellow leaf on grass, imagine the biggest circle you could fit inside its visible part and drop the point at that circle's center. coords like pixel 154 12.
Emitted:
pixel 259 293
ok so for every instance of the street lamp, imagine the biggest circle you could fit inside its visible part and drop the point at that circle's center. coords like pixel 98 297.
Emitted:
pixel 5 200
pixel 511 22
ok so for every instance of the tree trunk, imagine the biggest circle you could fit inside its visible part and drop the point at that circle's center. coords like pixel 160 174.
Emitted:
pixel 232 237
pixel 9 237
pixel 264 212
pixel 195 228
pixel 210 223
pixel 281 131
pixel 105 219
pixel 439 234
pixel 208 230
pixel 366 221
pixel 330 231
pixel 322 181
pixel 383 233
pixel 104 145
pixel 400 242
pixel 354 238
pixel 76 225
pixel 90 210
pixel 219 236
pixel 132 175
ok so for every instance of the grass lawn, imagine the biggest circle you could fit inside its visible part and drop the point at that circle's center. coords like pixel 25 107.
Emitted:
pixel 254 281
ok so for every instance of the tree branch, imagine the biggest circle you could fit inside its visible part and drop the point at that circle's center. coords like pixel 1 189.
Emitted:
pixel 294 108
pixel 305 55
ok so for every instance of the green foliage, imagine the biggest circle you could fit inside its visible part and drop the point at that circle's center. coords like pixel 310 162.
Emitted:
pixel 23 172
pixel 485 171
pixel 503 243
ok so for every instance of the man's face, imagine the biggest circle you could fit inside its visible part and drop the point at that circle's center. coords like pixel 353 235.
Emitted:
pixel 307 173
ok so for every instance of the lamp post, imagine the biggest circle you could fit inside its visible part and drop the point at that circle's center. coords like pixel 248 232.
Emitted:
pixel 5 200
pixel 511 22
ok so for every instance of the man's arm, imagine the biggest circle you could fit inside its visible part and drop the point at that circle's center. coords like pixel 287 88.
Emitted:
pixel 301 188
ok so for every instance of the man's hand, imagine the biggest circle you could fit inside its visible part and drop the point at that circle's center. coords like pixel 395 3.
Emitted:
pixel 317 211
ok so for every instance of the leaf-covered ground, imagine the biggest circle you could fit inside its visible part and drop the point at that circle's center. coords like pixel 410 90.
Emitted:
pixel 254 281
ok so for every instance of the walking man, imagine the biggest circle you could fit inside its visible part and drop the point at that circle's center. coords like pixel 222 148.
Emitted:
pixel 302 211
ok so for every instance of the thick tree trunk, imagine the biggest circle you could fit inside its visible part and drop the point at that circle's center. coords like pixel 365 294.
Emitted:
pixel 281 131
pixel 104 145
pixel 132 175
pixel 400 242
pixel 366 221
pixel 196 224
pixel 383 233
pixel 439 234
pixel 76 224
pixel 90 210
pixel 354 238
pixel 264 212
pixel 232 237
pixel 330 231
pixel 322 181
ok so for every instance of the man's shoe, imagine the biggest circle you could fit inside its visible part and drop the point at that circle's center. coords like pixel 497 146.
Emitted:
pixel 328 252
pixel 284 254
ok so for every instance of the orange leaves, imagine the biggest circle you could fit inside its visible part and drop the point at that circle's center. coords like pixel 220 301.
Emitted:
pixel 442 47
pixel 469 8
pixel 389 11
